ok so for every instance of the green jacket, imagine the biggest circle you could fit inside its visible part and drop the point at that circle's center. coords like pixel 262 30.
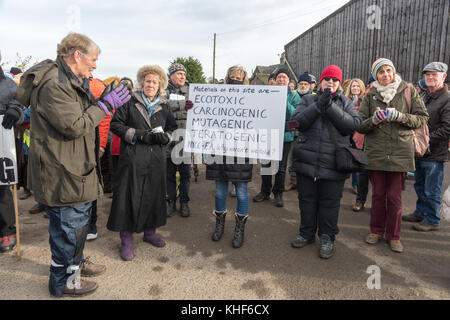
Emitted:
pixel 390 146
pixel 62 161
pixel 293 99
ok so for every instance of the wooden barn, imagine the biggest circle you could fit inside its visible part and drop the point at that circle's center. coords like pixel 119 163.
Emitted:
pixel 411 33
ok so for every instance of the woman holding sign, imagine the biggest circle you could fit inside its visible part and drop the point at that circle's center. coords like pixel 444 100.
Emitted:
pixel 144 125
pixel 326 121
pixel 238 174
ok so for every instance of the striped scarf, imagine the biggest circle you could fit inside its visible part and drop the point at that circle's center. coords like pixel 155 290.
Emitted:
pixel 150 105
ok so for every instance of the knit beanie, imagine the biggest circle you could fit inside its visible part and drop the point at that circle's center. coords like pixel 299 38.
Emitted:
pixel 379 63
pixel 305 77
pixel 176 67
pixel 282 70
pixel 331 71
pixel 15 71
pixel 422 85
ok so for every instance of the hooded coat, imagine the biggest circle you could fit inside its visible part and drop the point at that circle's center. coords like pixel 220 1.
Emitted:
pixel 139 198
pixel 62 164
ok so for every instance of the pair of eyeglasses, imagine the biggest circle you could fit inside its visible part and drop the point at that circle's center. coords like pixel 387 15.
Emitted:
pixel 330 78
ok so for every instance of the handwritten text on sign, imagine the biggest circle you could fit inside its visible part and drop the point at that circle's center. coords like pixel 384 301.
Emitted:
pixel 236 120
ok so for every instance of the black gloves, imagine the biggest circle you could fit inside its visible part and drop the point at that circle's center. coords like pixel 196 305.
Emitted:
pixel 148 137
pixel 10 118
pixel 324 100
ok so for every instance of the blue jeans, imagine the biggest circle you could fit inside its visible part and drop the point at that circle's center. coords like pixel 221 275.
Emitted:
pixel 355 176
pixel 428 185
pixel 241 194
pixel 68 229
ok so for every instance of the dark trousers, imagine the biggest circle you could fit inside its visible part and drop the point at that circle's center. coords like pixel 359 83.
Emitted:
pixel 319 203
pixel 278 187
pixel 68 229
pixel 185 180
pixel 386 212
pixel 363 186
pixel 7 219
pixel 93 219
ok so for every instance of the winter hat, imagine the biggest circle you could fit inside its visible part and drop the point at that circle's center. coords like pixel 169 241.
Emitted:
pixel 305 77
pixel 313 78
pixel 273 75
pixel 379 63
pixel 176 67
pixel 96 86
pixel 422 85
pixel 282 70
pixel 15 71
pixel 332 71
pixel 436 66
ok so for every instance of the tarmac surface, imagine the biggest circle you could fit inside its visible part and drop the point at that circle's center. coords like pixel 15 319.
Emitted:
pixel 192 266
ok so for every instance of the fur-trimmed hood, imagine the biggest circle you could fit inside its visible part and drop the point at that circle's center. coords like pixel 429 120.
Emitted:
pixel 154 69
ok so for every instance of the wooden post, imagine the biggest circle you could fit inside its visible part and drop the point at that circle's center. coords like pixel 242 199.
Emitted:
pixel 16 212
pixel 214 60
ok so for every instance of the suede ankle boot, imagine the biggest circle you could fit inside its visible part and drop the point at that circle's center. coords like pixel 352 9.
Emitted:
pixel 151 237
pixel 220 225
pixel 126 250
pixel 238 238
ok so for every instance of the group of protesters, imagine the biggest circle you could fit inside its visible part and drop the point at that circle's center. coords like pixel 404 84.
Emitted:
pixel 71 115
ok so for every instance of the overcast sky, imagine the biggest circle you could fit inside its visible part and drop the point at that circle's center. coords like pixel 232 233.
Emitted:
pixel 134 33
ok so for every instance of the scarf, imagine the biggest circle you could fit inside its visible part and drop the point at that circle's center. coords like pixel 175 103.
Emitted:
pixel 388 92
pixel 150 105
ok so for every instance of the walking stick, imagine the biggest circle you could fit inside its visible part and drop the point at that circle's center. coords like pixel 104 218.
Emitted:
pixel 16 212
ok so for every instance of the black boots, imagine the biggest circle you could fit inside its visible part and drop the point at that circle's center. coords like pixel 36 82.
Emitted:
pixel 220 225
pixel 238 239
pixel 171 207
pixel 184 209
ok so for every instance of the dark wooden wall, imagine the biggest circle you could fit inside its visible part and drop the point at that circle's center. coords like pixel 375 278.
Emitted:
pixel 412 34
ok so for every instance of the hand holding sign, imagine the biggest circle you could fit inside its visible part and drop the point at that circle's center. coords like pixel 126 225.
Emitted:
pixel 189 105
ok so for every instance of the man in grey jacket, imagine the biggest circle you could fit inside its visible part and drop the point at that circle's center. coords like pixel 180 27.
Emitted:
pixel 429 172
pixel 177 93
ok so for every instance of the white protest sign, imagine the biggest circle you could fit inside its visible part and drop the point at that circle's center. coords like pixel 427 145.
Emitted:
pixel 236 120
pixel 8 162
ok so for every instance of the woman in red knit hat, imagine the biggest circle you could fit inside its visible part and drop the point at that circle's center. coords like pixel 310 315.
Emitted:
pixel 326 121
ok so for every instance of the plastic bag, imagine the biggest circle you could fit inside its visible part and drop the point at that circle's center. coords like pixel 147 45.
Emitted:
pixel 444 211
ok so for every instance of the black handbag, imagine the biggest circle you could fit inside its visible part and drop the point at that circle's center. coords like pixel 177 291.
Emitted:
pixel 349 159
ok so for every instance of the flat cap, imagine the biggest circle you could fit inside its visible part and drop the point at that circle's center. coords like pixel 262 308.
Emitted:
pixel 436 66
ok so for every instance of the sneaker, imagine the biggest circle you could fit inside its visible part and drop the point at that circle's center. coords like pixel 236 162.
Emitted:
pixel 373 238
pixel 25 195
pixel 423 226
pixel 90 269
pixel 85 287
pixel 396 246
pixel 326 250
pixel 8 243
pixel 412 218
pixel 300 242
pixel 37 208
pixel 279 200
pixel 261 197
pixel 358 206
pixel 92 233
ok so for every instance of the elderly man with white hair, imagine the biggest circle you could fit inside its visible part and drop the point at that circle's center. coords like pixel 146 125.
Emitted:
pixel 430 168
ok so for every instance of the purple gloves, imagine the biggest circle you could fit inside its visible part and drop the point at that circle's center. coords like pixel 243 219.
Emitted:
pixel 114 99
pixel 291 125
pixel 189 105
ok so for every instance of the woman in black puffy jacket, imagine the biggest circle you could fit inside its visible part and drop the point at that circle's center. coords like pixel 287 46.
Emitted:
pixel 239 173
pixel 326 121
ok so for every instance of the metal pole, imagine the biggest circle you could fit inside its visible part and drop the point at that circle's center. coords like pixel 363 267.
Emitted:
pixel 214 60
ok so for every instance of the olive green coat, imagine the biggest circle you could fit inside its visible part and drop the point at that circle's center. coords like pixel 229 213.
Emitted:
pixel 390 146
pixel 62 161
